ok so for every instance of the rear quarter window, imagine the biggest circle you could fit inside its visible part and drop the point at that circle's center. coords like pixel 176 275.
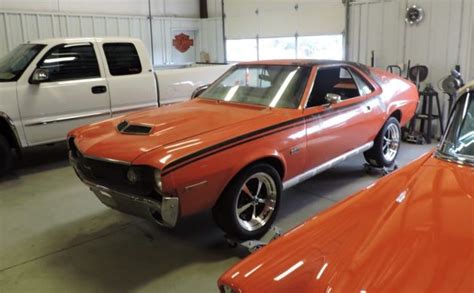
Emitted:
pixel 122 58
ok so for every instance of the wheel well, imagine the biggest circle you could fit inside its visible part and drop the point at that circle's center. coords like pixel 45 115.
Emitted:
pixel 6 131
pixel 274 162
pixel 397 114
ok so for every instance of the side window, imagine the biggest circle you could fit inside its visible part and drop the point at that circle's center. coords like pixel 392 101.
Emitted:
pixel 333 80
pixel 71 61
pixel 122 58
pixel 365 88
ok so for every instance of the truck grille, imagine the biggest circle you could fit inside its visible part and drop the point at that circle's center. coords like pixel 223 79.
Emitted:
pixel 131 179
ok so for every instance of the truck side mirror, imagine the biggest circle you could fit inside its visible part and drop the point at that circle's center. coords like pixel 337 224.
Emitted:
pixel 199 90
pixel 333 98
pixel 39 75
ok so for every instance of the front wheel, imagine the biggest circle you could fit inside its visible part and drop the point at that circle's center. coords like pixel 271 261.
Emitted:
pixel 386 145
pixel 249 204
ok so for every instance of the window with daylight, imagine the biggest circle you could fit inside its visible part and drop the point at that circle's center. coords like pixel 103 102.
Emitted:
pixel 321 47
pixel 277 48
pixel 241 50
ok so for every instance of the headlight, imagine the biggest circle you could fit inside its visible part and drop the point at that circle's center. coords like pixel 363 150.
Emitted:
pixel 158 184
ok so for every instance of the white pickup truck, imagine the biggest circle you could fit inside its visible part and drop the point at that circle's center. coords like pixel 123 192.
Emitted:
pixel 48 87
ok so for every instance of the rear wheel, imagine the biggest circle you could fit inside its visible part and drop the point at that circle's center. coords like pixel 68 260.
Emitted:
pixel 248 206
pixel 386 145
pixel 6 155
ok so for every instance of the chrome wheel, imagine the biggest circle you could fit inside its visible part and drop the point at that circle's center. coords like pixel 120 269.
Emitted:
pixel 256 201
pixel 391 142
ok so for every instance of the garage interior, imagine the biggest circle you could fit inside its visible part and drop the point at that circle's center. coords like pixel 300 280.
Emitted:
pixel 56 237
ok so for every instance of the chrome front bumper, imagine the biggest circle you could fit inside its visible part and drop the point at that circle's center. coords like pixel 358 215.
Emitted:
pixel 164 211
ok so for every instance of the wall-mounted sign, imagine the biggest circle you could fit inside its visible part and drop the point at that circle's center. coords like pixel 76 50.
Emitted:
pixel 414 15
pixel 182 42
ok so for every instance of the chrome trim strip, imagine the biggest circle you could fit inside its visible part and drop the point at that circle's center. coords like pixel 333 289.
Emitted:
pixel 69 118
pixel 107 160
pixel 452 159
pixel 114 161
pixel 189 187
pixel 323 167
pixel 12 127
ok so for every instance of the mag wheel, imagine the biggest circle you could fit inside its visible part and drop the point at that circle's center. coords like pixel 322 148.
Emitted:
pixel 386 145
pixel 248 206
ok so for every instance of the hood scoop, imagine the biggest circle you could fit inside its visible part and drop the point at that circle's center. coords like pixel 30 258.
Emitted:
pixel 138 129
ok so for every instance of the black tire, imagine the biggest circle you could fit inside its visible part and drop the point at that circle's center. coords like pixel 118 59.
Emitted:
pixel 377 156
pixel 6 156
pixel 226 209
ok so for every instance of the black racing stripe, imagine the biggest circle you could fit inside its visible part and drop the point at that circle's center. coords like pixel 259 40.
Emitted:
pixel 233 142
pixel 216 150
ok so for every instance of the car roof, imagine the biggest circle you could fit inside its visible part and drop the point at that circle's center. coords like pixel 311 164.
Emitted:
pixel 306 62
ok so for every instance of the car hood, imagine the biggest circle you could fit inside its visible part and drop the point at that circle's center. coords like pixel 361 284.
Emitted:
pixel 412 231
pixel 185 122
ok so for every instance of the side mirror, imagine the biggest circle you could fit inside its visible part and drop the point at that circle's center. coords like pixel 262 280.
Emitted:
pixel 39 75
pixel 333 98
pixel 199 90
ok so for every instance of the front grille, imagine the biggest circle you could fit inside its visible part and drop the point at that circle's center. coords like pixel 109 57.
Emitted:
pixel 115 175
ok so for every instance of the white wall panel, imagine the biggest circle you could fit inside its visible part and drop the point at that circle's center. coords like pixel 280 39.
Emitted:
pixel 20 27
pixel 175 8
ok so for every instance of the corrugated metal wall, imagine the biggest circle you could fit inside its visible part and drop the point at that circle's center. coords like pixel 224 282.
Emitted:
pixel 444 38
pixel 19 27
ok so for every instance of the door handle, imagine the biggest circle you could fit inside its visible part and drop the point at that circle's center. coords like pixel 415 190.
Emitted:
pixel 100 89
pixel 367 109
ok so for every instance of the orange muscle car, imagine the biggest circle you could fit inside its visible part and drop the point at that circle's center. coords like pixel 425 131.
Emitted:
pixel 260 128
pixel 412 231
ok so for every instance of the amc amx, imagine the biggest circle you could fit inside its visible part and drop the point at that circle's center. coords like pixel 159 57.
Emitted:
pixel 260 128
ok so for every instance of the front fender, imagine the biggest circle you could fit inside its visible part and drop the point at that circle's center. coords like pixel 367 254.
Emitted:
pixel 200 184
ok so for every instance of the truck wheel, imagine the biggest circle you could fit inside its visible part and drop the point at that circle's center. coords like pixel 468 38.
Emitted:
pixel 6 155
pixel 249 204
pixel 386 145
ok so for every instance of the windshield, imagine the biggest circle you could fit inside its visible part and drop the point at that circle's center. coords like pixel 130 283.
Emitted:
pixel 458 142
pixel 15 62
pixel 276 86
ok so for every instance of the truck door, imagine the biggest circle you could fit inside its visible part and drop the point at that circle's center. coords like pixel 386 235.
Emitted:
pixel 130 76
pixel 73 92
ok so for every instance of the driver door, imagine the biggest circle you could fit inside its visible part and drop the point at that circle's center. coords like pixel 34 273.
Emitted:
pixel 74 93
pixel 336 129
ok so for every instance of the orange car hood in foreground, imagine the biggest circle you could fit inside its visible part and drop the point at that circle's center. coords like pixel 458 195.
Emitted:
pixel 178 128
pixel 412 231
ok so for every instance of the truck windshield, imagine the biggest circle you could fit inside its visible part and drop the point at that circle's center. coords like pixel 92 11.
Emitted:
pixel 276 86
pixel 458 142
pixel 16 61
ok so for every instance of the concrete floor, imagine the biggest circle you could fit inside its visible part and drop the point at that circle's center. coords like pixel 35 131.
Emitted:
pixel 55 236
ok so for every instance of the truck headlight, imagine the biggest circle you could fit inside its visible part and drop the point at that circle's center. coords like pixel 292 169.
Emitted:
pixel 158 184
